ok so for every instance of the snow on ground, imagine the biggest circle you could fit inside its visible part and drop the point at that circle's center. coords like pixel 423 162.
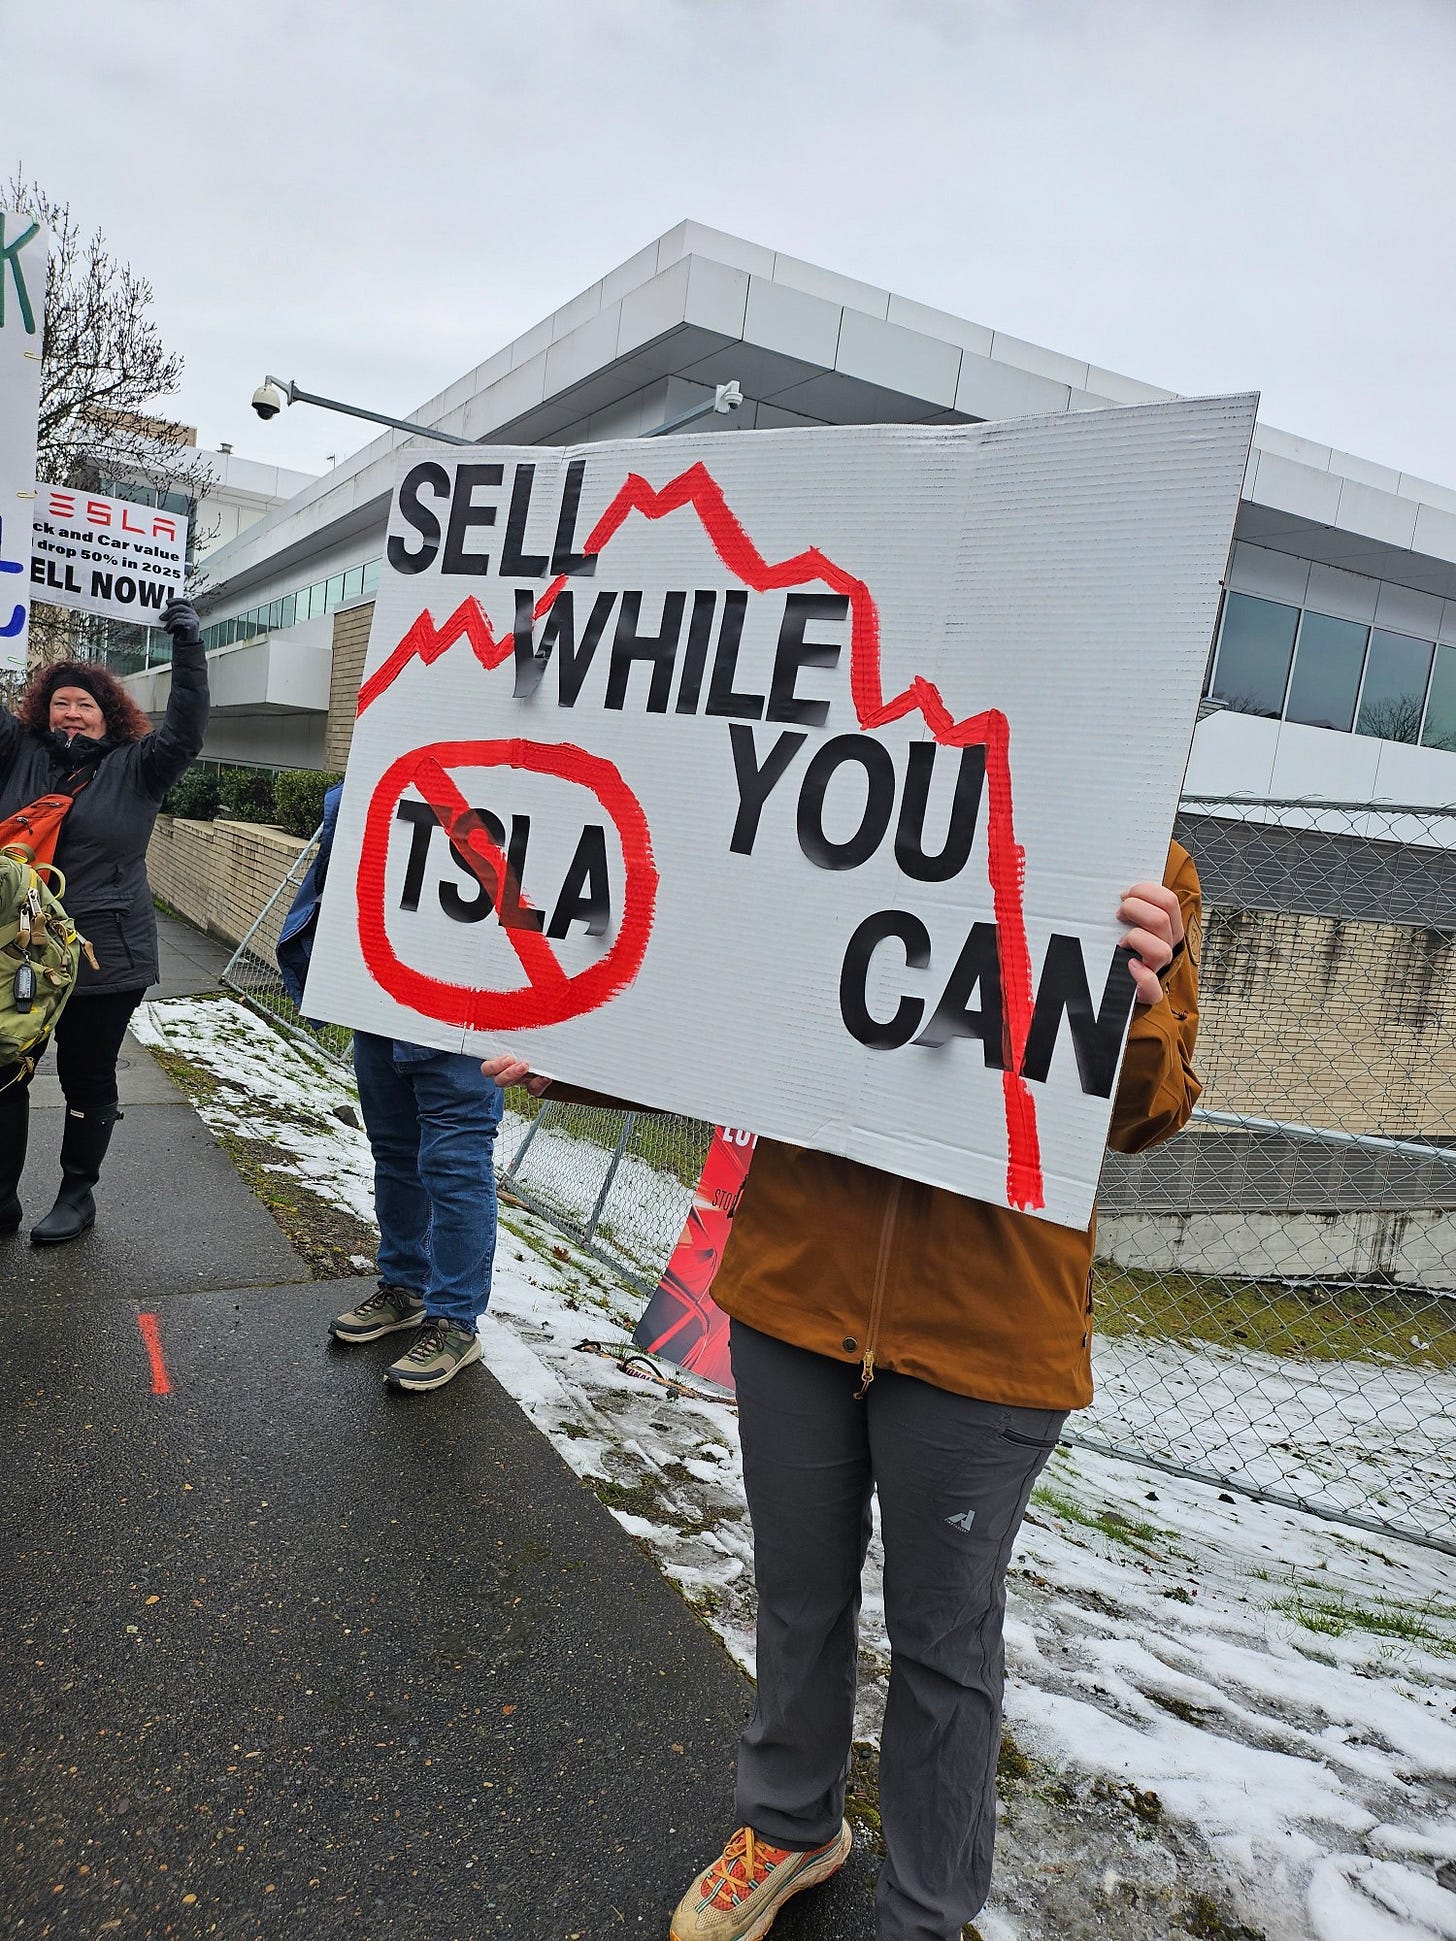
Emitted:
pixel 1214 1696
pixel 1376 1441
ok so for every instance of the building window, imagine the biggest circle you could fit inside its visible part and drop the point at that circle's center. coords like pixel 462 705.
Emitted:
pixel 1440 728
pixel 1393 697
pixel 306 603
pixel 1327 666
pixel 1254 652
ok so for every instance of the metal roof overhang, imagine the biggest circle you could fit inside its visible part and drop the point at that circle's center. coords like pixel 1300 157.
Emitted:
pixel 1353 552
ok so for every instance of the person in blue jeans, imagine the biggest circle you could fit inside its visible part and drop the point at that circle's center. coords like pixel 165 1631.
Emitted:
pixel 431 1117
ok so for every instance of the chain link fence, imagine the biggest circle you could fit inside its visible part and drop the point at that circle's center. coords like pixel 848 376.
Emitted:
pixel 1276 1289
pixel 251 973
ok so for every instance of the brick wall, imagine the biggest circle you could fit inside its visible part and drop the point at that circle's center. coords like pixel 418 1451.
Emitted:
pixel 1328 1022
pixel 351 644
pixel 219 875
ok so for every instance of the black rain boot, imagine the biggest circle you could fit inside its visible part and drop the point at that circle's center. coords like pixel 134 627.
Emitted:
pixel 14 1124
pixel 83 1147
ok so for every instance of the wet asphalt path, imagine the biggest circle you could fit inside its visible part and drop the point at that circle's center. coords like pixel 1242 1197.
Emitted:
pixel 283 1653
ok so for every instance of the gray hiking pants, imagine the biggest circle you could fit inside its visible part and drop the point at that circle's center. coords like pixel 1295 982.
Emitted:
pixel 953 1476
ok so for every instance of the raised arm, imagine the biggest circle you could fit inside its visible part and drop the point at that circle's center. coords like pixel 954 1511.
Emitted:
pixel 10 733
pixel 166 752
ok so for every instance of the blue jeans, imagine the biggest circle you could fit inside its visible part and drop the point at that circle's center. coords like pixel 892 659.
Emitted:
pixel 431 1117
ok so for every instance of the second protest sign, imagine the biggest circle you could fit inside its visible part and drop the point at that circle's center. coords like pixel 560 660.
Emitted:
pixel 106 556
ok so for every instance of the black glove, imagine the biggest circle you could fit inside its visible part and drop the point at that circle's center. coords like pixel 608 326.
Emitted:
pixel 182 624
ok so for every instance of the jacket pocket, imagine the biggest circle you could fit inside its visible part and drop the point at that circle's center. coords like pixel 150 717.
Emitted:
pixel 1033 1428
pixel 118 917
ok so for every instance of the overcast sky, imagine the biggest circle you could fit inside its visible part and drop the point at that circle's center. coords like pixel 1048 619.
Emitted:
pixel 372 197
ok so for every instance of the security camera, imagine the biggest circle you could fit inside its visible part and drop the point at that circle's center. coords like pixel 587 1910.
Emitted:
pixel 268 400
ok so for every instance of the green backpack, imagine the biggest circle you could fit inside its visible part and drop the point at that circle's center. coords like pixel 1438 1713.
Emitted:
pixel 40 958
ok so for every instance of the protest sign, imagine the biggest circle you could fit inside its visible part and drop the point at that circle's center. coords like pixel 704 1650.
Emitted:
pixel 845 740
pixel 106 556
pixel 24 247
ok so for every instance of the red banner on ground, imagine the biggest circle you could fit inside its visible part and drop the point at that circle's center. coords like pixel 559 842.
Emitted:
pixel 682 1322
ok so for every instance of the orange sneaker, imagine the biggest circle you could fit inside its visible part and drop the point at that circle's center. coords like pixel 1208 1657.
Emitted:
pixel 738 1898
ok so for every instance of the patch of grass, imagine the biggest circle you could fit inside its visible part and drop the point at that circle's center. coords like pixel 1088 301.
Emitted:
pixel 1430 1625
pixel 1320 1322
pixel 650 1499
pixel 279 1009
pixel 1205 1922
pixel 1145 1805
pixel 1110 1523
pixel 635 1499
pixel 325 1235
pixel 195 1080
pixel 1180 1708
pixel 862 1797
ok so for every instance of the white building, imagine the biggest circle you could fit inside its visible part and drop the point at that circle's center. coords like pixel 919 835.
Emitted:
pixel 243 491
pixel 1335 669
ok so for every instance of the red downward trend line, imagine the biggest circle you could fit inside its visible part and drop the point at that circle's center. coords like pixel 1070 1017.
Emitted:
pixel 697 488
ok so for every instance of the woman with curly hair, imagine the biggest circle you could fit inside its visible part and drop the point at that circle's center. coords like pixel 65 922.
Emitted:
pixel 79 733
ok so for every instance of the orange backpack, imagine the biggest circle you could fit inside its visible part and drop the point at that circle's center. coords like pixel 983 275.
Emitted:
pixel 31 834
pixel 40 951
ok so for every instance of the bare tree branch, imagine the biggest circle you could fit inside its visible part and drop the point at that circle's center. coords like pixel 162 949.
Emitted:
pixel 104 369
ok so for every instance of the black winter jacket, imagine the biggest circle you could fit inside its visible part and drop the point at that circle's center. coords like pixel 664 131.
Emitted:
pixel 103 844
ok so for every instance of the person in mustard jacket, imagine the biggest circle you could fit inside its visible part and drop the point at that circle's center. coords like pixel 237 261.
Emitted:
pixel 895 1338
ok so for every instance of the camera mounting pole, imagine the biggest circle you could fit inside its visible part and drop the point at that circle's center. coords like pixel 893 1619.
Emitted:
pixel 725 398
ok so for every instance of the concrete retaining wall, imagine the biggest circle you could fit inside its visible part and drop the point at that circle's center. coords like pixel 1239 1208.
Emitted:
pixel 1404 1248
pixel 219 875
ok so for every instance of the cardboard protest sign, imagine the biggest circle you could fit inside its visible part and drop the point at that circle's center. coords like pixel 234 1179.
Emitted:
pixel 106 556
pixel 24 247
pixel 846 740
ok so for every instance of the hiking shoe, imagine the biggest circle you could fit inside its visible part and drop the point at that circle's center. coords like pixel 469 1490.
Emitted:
pixel 738 1898
pixel 435 1356
pixel 386 1310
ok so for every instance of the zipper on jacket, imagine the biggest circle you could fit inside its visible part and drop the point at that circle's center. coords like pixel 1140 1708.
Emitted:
pixel 123 939
pixel 877 1292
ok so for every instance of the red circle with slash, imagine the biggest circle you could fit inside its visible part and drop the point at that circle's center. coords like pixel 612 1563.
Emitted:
pixel 549 995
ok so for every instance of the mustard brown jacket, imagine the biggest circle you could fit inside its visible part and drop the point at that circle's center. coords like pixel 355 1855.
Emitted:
pixel 863 1266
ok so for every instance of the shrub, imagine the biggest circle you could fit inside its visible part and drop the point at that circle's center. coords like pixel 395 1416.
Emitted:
pixel 195 795
pixel 247 794
pixel 299 794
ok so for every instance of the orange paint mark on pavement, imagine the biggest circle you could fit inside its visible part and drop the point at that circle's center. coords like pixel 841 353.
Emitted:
pixel 161 1383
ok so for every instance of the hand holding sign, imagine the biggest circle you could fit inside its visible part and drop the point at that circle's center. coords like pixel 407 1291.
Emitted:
pixel 1157 920
pixel 508 1071
pixel 182 623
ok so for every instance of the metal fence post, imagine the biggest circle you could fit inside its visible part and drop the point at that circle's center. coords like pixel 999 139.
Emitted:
pixel 525 1146
pixel 629 1119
